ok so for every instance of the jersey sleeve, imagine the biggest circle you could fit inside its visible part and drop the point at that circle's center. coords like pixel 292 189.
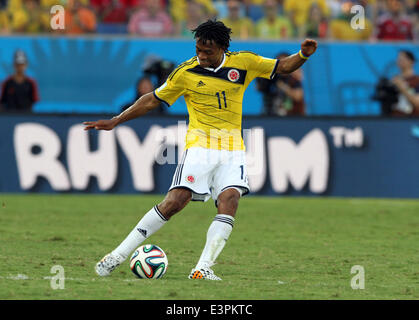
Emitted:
pixel 172 89
pixel 260 67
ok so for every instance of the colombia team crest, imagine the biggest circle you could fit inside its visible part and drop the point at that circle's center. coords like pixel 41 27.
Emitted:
pixel 233 75
pixel 190 178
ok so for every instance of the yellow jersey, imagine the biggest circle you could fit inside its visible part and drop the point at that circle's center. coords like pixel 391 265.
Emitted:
pixel 214 97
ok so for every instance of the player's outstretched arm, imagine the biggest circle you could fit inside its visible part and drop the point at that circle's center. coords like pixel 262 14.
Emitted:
pixel 294 61
pixel 140 107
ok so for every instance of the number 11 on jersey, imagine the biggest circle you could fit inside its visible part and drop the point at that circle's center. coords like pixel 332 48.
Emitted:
pixel 219 99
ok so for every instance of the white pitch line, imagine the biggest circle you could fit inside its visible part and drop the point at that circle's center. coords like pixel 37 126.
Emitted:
pixel 25 277
pixel 19 276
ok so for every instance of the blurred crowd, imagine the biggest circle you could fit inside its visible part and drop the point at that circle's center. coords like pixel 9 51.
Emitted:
pixel 346 20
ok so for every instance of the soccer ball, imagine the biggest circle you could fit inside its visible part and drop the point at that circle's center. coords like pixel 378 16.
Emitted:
pixel 149 262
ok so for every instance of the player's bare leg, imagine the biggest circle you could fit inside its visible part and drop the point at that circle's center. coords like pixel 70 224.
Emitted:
pixel 152 221
pixel 175 201
pixel 217 235
pixel 228 202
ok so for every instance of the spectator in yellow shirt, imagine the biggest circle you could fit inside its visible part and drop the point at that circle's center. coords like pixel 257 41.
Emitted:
pixel 195 15
pixel 317 25
pixel 4 21
pixel 178 9
pixel 273 26
pixel 13 5
pixel 342 29
pixel 241 27
pixel 29 17
pixel 298 11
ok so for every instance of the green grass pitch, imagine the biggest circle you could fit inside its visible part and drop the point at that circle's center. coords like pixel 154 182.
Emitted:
pixel 280 248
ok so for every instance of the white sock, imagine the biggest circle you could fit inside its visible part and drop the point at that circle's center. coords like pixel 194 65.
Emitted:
pixel 152 221
pixel 217 236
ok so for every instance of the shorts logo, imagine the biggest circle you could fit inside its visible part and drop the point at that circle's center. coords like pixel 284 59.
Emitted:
pixel 190 179
pixel 233 75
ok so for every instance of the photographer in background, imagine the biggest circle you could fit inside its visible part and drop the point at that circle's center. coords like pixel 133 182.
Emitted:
pixel 283 95
pixel 400 95
pixel 157 68
pixel 156 71
pixel 407 84
pixel 145 85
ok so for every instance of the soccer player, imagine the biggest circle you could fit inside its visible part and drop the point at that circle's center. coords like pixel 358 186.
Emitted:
pixel 213 163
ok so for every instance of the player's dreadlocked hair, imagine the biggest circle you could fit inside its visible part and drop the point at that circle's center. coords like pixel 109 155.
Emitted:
pixel 215 31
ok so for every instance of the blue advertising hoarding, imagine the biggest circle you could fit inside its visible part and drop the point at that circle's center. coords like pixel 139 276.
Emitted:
pixel 359 157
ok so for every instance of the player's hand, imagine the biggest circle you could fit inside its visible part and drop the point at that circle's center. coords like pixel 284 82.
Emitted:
pixel 308 47
pixel 100 124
